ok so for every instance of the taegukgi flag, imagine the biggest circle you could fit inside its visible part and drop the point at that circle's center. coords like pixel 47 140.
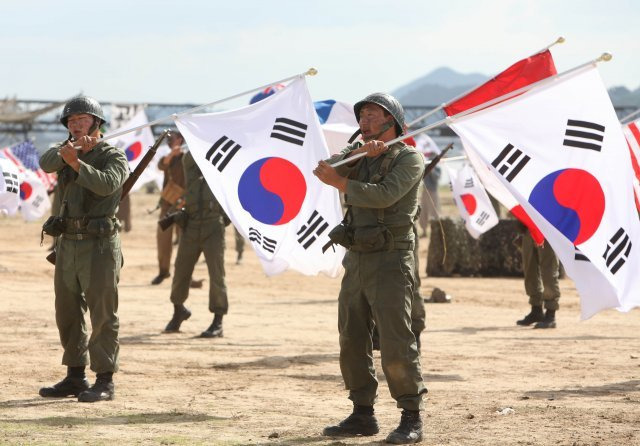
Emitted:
pixel 472 200
pixel 9 187
pixel 632 133
pixel 559 149
pixel 136 145
pixel 258 161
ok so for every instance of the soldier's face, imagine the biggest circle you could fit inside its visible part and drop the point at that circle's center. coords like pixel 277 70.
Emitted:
pixel 371 120
pixel 79 125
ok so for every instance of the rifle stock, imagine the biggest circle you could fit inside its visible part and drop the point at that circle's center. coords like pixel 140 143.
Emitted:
pixel 436 160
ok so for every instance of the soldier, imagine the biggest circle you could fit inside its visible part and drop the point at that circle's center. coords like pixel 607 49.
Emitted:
pixel 171 165
pixel 381 193
pixel 541 269
pixel 88 260
pixel 203 233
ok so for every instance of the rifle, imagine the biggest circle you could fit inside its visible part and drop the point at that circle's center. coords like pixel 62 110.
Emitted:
pixel 436 160
pixel 133 177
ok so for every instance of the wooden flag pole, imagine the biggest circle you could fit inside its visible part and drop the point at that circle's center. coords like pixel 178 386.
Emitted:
pixel 309 72
pixel 604 57
pixel 443 105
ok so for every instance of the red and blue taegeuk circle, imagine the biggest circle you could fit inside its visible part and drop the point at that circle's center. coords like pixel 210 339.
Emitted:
pixel 469 202
pixel 571 200
pixel 272 190
pixel 134 151
pixel 25 190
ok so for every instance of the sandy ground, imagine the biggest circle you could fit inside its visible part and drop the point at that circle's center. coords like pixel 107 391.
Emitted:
pixel 274 378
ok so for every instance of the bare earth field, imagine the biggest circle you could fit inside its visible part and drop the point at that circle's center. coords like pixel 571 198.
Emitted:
pixel 274 378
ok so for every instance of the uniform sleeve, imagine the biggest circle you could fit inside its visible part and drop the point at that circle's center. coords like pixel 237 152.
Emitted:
pixel 106 181
pixel 50 161
pixel 404 174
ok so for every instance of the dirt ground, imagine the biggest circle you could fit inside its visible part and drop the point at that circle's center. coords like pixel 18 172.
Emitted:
pixel 274 378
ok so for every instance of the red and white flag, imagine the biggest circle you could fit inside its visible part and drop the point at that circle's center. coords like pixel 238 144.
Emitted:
pixel 632 133
pixel 560 151
pixel 522 73
pixel 472 200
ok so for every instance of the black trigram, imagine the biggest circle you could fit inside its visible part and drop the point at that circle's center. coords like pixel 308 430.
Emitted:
pixel 578 256
pixel 468 183
pixel 221 152
pixel 289 130
pixel 37 201
pixel 510 162
pixel 583 135
pixel 617 251
pixel 315 226
pixel 482 219
pixel 11 181
pixel 266 243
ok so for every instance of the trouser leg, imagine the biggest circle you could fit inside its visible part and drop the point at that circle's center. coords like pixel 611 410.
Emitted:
pixel 531 270
pixel 354 327
pixel 189 250
pixel 418 314
pixel 99 276
pixel 213 248
pixel 549 271
pixel 165 243
pixel 70 306
pixel 390 294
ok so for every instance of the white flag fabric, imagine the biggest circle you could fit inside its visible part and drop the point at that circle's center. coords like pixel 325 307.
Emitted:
pixel 9 187
pixel 560 151
pixel 136 145
pixel 34 196
pixel 472 200
pixel 258 161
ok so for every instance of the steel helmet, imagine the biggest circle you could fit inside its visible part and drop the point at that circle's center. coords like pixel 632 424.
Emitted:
pixel 82 104
pixel 389 103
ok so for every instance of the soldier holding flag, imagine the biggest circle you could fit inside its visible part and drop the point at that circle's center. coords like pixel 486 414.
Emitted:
pixel 381 192
pixel 88 261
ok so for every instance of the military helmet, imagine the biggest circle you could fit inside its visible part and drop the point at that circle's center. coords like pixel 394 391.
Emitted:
pixel 82 104
pixel 389 103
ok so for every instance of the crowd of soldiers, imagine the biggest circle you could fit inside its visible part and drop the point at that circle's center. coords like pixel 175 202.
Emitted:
pixel 379 304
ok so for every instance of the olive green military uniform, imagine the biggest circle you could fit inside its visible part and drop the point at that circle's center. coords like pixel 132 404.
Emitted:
pixel 418 314
pixel 541 269
pixel 378 286
pixel 204 233
pixel 173 172
pixel 88 260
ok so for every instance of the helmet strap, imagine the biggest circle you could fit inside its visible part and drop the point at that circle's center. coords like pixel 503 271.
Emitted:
pixel 386 126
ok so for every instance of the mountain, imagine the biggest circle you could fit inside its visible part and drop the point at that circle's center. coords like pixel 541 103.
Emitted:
pixel 443 84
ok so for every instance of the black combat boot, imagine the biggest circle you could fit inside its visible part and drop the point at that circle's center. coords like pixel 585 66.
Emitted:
pixel 536 315
pixel 160 277
pixel 215 329
pixel 549 320
pixel 102 390
pixel 409 430
pixel 180 314
pixel 362 421
pixel 72 385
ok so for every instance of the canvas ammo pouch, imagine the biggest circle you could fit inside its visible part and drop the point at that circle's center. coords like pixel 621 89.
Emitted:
pixel 342 235
pixel 172 192
pixel 372 239
pixel 54 226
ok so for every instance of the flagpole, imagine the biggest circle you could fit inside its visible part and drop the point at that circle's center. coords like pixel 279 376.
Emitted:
pixel 309 72
pixel 604 57
pixel 626 119
pixel 444 104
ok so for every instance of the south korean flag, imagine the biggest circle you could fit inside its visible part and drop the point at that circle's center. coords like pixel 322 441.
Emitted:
pixel 472 200
pixel 9 187
pixel 559 149
pixel 258 161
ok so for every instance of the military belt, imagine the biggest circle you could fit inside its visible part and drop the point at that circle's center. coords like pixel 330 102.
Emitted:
pixel 85 236
pixel 407 245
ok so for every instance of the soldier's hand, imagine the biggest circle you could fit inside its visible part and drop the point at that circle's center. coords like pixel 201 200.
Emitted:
pixel 70 155
pixel 374 148
pixel 85 143
pixel 328 175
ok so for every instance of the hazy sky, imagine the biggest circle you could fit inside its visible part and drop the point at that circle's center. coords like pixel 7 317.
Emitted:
pixel 201 51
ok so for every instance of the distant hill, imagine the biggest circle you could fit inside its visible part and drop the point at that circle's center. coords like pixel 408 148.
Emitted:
pixel 444 84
